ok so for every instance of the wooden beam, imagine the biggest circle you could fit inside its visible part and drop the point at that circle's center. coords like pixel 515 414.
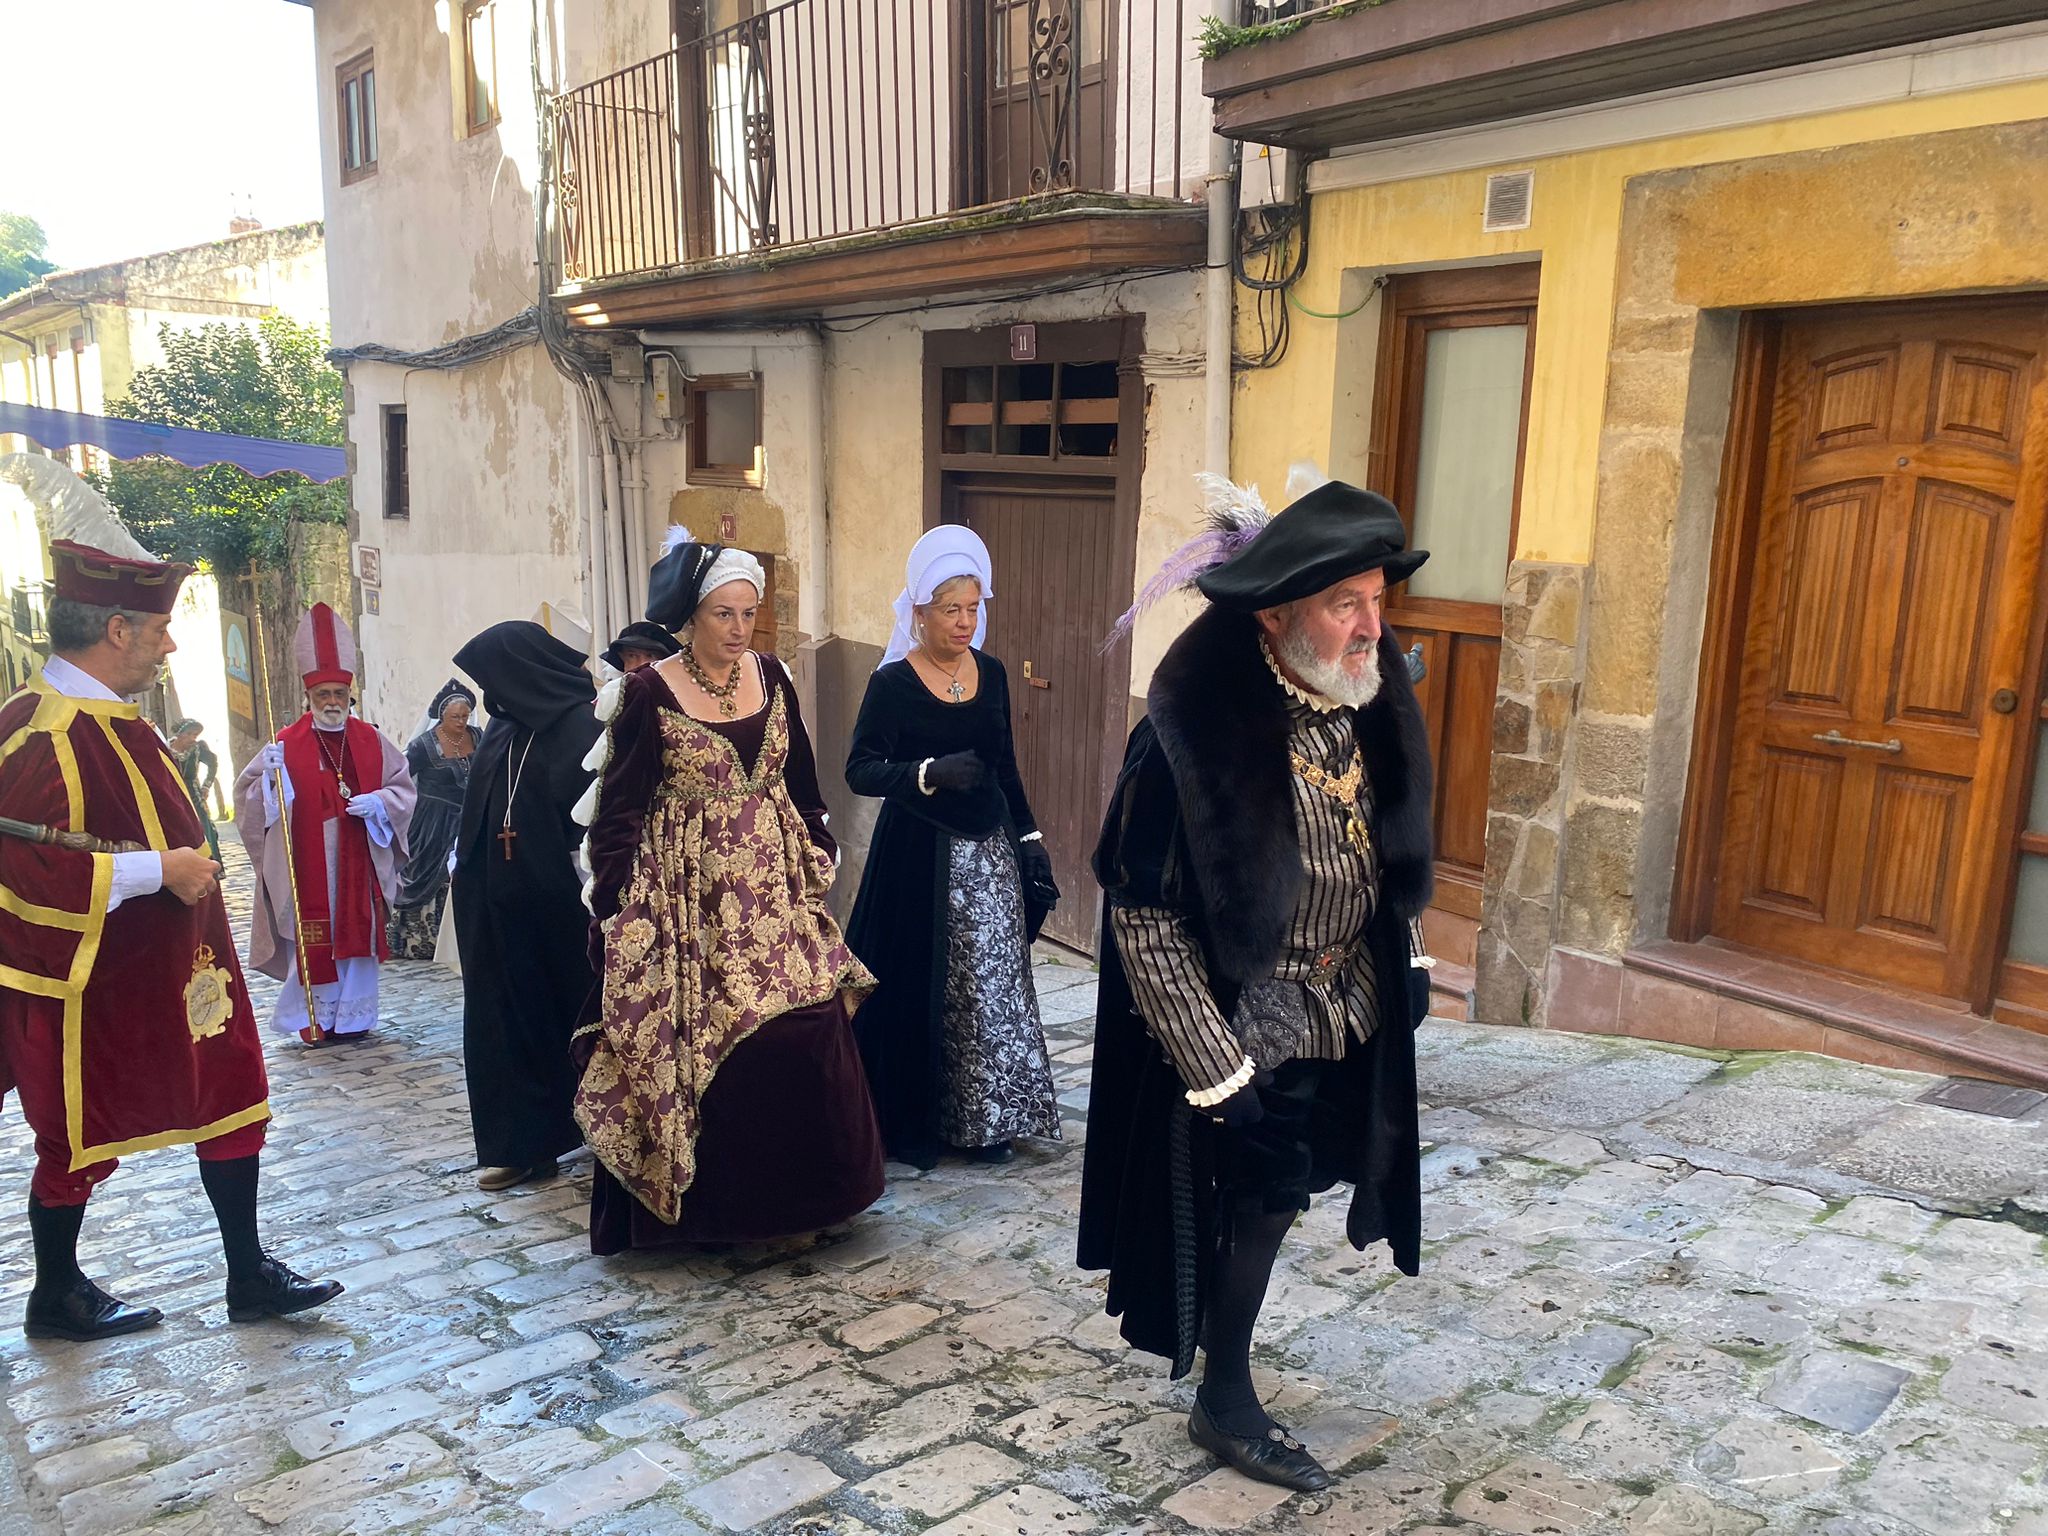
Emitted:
pixel 1008 255
pixel 1412 67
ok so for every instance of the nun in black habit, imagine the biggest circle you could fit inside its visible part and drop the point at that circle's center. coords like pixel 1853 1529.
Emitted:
pixel 519 917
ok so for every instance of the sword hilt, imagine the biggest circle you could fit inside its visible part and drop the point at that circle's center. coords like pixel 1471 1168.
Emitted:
pixel 85 842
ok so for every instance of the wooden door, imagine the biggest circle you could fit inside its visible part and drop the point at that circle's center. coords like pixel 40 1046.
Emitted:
pixel 1450 426
pixel 1877 736
pixel 1052 544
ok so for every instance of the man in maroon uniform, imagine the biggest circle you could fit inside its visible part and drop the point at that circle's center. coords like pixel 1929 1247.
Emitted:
pixel 124 1020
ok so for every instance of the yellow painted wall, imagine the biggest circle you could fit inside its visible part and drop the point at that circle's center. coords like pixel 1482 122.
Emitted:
pixel 1289 412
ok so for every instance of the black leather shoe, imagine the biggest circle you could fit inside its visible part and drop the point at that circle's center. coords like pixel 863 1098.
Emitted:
pixel 1275 1457
pixel 275 1291
pixel 998 1152
pixel 81 1311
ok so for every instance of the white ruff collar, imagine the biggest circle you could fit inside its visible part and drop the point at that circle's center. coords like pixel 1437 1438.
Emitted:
pixel 1315 701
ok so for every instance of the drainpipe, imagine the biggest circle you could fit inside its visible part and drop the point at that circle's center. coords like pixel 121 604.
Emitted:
pixel 615 582
pixel 589 488
pixel 812 609
pixel 635 516
pixel 1222 194
pixel 620 592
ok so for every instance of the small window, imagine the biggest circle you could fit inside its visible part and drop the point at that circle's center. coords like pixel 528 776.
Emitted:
pixel 1032 410
pixel 480 63
pixel 725 429
pixel 397 465
pixel 356 124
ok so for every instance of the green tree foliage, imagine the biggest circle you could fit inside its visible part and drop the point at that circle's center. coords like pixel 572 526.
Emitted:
pixel 24 251
pixel 271 382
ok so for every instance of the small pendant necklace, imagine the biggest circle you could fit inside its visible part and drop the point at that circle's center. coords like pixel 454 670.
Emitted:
pixel 956 688
pixel 334 764
pixel 512 780
pixel 722 693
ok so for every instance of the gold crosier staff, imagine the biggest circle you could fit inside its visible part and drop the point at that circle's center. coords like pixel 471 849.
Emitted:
pixel 284 827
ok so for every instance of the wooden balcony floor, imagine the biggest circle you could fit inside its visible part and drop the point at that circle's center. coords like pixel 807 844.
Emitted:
pixel 1007 247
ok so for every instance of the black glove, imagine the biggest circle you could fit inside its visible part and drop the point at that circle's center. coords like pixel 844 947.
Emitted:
pixel 1242 1108
pixel 1040 891
pixel 956 770
pixel 1034 868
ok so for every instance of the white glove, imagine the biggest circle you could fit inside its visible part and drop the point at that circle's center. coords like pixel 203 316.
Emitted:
pixel 270 795
pixel 368 808
pixel 272 756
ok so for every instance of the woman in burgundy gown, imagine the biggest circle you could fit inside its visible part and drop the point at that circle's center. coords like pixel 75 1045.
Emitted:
pixel 721 1089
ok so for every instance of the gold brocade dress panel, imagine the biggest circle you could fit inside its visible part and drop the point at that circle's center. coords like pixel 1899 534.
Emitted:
pixel 721 929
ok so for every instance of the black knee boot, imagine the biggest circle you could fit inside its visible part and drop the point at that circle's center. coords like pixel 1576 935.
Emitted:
pixel 64 1304
pixel 258 1285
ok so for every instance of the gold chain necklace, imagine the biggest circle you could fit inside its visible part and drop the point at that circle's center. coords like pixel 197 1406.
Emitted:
pixel 1344 789
pixel 728 706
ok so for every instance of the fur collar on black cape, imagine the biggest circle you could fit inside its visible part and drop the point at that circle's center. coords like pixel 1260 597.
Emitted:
pixel 1222 720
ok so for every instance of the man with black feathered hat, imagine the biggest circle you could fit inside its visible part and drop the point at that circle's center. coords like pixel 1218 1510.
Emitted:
pixel 1266 858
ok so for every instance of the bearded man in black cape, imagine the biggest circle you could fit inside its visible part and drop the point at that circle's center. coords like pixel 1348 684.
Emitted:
pixel 1266 858
pixel 519 918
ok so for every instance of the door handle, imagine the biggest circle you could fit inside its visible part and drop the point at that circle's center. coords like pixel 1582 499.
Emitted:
pixel 1035 682
pixel 1837 739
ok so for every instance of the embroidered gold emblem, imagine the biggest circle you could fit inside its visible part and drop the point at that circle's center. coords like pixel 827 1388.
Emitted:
pixel 209 996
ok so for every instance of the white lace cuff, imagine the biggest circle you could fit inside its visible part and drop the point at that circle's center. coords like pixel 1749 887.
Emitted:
pixel 922 787
pixel 1203 1098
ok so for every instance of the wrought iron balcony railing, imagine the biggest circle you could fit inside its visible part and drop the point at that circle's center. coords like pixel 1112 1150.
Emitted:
pixel 816 120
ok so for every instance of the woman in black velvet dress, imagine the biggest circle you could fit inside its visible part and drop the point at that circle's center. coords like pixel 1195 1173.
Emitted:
pixel 957 881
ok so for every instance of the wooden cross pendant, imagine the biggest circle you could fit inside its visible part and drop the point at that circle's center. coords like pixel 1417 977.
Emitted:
pixel 505 836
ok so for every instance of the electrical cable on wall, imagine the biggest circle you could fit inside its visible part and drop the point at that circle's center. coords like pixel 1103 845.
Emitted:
pixel 463 352
pixel 1268 257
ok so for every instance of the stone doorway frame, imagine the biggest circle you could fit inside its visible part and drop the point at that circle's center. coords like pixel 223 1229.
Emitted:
pixel 1587 810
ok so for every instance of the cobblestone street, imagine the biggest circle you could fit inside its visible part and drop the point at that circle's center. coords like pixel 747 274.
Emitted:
pixel 1664 1291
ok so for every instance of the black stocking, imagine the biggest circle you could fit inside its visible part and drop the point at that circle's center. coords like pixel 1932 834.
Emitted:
pixel 1237 1289
pixel 231 1186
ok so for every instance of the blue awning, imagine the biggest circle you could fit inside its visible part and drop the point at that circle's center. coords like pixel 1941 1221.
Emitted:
pixel 120 439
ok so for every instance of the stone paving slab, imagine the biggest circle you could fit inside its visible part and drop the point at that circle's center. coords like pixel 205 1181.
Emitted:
pixel 1663 1292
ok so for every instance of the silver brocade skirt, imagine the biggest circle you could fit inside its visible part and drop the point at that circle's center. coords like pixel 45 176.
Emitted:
pixel 995 1082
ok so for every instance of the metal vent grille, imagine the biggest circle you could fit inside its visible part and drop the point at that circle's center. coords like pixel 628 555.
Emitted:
pixel 1997 1100
pixel 1508 199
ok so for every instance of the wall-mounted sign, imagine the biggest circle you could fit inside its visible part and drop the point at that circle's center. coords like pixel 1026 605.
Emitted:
pixel 1023 343
pixel 373 599
pixel 234 651
pixel 369 566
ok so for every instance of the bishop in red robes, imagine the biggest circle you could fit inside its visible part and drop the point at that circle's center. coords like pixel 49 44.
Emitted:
pixel 350 799
pixel 125 1024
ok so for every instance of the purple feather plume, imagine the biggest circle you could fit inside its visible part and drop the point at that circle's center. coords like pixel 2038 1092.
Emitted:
pixel 1237 515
